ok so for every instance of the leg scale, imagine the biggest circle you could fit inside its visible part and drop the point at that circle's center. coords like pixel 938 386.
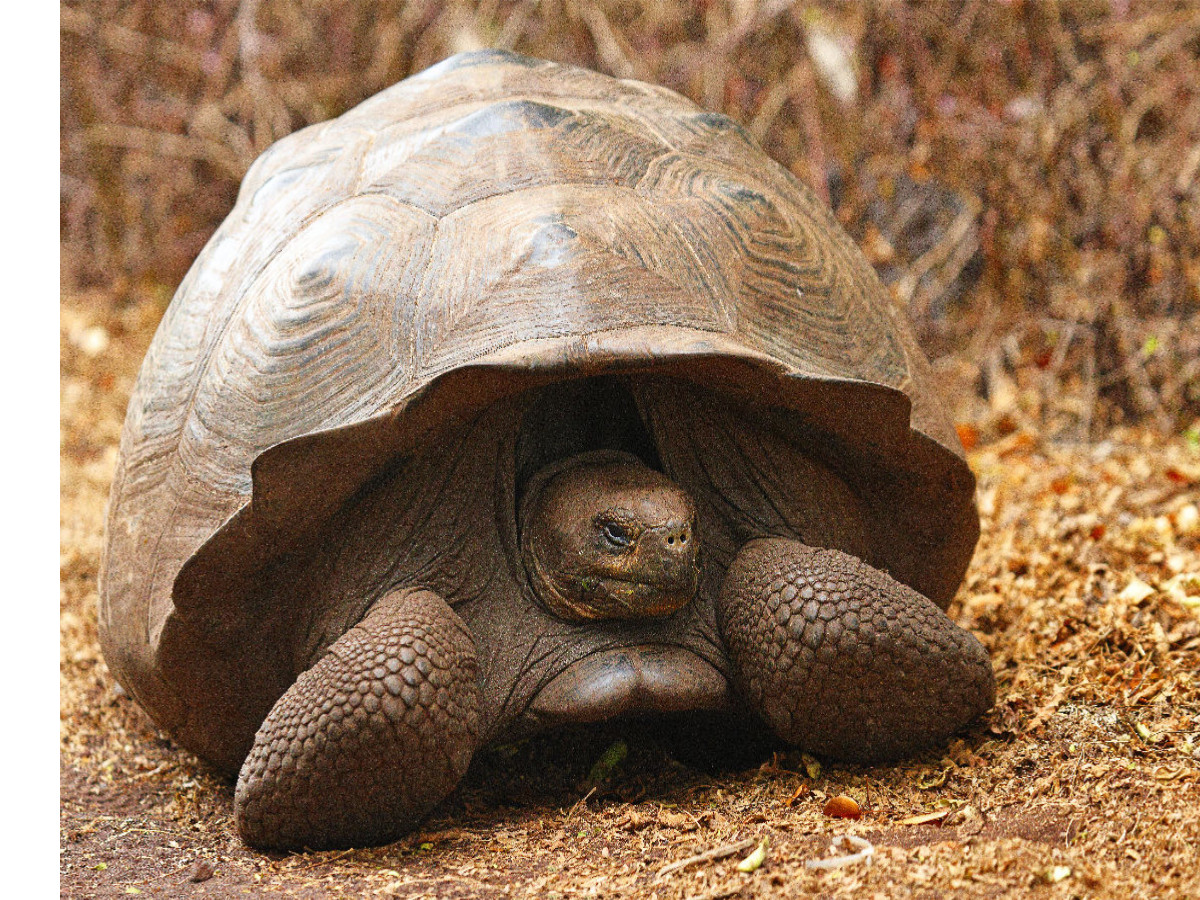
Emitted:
pixel 840 658
pixel 371 738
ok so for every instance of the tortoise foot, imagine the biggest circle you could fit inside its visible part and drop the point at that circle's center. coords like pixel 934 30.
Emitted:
pixel 839 658
pixel 371 738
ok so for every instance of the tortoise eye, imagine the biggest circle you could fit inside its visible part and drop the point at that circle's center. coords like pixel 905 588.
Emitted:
pixel 616 534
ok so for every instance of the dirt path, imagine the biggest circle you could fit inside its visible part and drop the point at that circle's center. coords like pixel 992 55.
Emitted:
pixel 1083 782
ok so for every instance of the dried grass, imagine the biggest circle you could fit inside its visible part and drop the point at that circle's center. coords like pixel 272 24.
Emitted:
pixel 1025 175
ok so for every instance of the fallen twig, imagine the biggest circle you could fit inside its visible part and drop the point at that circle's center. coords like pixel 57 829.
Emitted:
pixel 866 850
pixel 707 856
pixel 578 803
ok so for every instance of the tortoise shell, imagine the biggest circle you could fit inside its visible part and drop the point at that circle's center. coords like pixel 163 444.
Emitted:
pixel 492 227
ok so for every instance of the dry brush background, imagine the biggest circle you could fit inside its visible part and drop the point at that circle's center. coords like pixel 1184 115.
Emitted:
pixel 1026 178
pixel 1026 175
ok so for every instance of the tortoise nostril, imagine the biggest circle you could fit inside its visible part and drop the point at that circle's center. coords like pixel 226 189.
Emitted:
pixel 677 538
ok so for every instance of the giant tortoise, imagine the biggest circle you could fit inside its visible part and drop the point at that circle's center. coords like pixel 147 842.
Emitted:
pixel 517 396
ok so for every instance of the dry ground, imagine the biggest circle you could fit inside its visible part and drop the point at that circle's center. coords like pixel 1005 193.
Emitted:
pixel 1083 782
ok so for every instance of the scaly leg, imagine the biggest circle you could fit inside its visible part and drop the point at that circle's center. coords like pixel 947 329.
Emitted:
pixel 839 658
pixel 371 738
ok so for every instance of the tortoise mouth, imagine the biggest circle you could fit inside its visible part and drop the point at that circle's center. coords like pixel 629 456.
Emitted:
pixel 624 681
pixel 616 597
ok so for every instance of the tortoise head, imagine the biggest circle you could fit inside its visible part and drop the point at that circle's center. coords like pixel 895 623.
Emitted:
pixel 605 537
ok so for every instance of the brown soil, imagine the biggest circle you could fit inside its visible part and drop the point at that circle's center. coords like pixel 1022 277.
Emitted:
pixel 1083 782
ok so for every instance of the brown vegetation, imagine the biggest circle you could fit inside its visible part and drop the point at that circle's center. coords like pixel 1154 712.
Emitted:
pixel 1025 176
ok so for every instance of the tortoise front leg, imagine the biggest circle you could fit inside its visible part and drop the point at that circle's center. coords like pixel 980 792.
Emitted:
pixel 371 738
pixel 839 658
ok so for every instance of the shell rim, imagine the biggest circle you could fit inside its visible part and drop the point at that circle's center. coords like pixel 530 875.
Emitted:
pixel 709 359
